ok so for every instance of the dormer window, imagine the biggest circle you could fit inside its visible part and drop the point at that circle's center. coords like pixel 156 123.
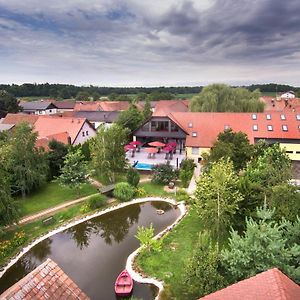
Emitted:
pixel 255 127
pixel 190 125
pixel 194 134
pixel 284 128
pixel 270 128
pixel 282 117
pixel 254 116
pixel 268 116
pixel 298 117
pixel 226 127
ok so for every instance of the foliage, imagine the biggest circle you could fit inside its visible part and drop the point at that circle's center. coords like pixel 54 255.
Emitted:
pixel 96 201
pixel 56 156
pixel 186 171
pixel 202 274
pixel 74 171
pixel 223 98
pixel 160 95
pixel 107 151
pixel 163 173
pixel 7 246
pixel 232 145
pixel 140 97
pixel 265 244
pixel 140 192
pixel 182 195
pixel 217 197
pixel 82 96
pixel 95 96
pixel 123 191
pixel 147 112
pixel 145 236
pixel 188 164
pixel 131 118
pixel 133 177
pixel 8 103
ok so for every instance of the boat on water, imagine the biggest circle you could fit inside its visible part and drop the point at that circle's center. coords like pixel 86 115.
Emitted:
pixel 124 284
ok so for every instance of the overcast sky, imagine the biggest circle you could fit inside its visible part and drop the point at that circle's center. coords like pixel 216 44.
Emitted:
pixel 150 42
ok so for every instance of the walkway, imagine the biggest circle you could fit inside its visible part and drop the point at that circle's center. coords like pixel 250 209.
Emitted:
pixel 193 183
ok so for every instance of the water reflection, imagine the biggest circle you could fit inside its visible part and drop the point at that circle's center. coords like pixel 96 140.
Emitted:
pixel 94 252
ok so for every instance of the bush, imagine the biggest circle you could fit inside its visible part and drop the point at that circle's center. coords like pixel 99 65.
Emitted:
pixel 163 173
pixel 182 195
pixel 188 164
pixel 185 176
pixel 84 208
pixel 96 201
pixel 123 191
pixel 6 247
pixel 133 177
pixel 140 192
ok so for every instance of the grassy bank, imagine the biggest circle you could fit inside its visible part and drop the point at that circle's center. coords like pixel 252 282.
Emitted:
pixel 51 195
pixel 153 189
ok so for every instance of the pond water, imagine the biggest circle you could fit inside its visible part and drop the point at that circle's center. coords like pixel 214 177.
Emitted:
pixel 94 252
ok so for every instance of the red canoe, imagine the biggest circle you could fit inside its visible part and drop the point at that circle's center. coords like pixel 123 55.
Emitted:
pixel 124 284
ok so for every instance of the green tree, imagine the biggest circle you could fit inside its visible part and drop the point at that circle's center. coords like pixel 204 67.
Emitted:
pixel 74 172
pixel 202 273
pixel 222 98
pixel 232 145
pixel 8 103
pixel 147 112
pixel 131 118
pixel 113 96
pixel 28 165
pixel 145 236
pixel 140 97
pixel 96 96
pixel 163 173
pixel 123 191
pixel 265 244
pixel 217 197
pixel 107 151
pixel 82 96
pixel 133 177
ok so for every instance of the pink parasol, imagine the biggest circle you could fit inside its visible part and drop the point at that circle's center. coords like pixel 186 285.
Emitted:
pixel 172 144
pixel 151 150
pixel 167 149
pixel 156 144
pixel 128 147
pixel 135 143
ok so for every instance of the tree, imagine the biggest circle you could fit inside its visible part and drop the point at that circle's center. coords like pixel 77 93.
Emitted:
pixel 202 273
pixel 28 165
pixel 113 96
pixel 74 171
pixel 222 98
pixel 56 156
pixel 232 145
pixel 186 171
pixel 131 118
pixel 147 112
pixel 123 191
pixel 82 96
pixel 96 96
pixel 145 236
pixel 8 103
pixel 217 197
pixel 140 97
pixel 133 177
pixel 163 173
pixel 107 151
pixel 265 244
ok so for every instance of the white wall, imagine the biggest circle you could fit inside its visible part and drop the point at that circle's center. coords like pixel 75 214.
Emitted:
pixel 46 111
pixel 287 95
pixel 82 139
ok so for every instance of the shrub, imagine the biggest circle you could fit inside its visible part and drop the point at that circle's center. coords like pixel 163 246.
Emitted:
pixel 145 236
pixel 163 173
pixel 96 201
pixel 188 164
pixel 185 176
pixel 182 195
pixel 123 191
pixel 84 208
pixel 6 247
pixel 140 192
pixel 133 177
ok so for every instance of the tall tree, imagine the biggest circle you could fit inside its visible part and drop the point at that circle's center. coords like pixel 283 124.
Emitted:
pixel 131 118
pixel 74 172
pixel 8 103
pixel 82 96
pixel 265 244
pixel 221 98
pixel 107 151
pixel 217 197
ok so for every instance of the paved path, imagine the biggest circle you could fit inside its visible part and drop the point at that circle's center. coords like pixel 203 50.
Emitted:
pixel 193 184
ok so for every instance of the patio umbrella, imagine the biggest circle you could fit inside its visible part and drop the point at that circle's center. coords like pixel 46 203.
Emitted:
pixel 156 144
pixel 167 149
pixel 172 144
pixel 128 147
pixel 151 150
pixel 135 143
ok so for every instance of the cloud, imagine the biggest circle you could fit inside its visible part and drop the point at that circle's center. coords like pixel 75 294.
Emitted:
pixel 149 42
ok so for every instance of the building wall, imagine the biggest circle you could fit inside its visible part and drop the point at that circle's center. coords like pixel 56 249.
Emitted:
pixel 49 111
pixel 287 95
pixel 196 152
pixel 292 150
pixel 82 138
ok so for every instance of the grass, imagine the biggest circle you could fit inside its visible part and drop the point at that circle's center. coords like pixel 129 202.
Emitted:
pixel 169 263
pixel 118 178
pixel 153 189
pixel 51 195
pixel 185 96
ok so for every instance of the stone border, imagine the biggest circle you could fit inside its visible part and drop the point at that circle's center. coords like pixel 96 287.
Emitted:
pixel 76 222
pixel 130 260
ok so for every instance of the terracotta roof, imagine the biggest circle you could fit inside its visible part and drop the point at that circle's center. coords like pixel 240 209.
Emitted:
pixel 52 125
pixel 114 105
pixel 62 137
pixel 47 281
pixel 19 118
pixel 289 105
pixel 269 285
pixel 207 126
pixel 98 116
pixel 87 106
pixel 164 107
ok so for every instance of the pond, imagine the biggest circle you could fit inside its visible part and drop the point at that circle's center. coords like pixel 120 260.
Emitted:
pixel 94 252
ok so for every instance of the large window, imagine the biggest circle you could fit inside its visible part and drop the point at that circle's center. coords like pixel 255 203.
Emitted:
pixel 195 150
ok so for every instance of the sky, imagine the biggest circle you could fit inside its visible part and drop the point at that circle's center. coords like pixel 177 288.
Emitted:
pixel 150 43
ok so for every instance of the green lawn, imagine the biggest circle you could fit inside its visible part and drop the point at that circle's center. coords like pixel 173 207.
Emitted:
pixel 185 96
pixel 153 189
pixel 51 195
pixel 178 245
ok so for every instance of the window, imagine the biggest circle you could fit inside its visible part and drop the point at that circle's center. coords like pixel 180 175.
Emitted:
pixel 83 133
pixel 282 117
pixel 289 151
pixel 195 151
pixel 270 128
pixel 50 110
pixel 268 116
pixel 190 125
pixel 284 128
pixel 254 116
pixel 298 117
pixel 226 127
pixel 255 127
pixel 194 134
pixel 86 133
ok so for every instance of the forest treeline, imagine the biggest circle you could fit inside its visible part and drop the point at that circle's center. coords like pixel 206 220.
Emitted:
pixel 66 91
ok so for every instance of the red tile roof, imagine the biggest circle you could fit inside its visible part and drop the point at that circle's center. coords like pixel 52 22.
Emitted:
pixel 207 126
pixel 164 107
pixel 47 281
pixel 87 106
pixel 269 285
pixel 114 105
pixel 272 104
pixel 62 137
pixel 19 118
